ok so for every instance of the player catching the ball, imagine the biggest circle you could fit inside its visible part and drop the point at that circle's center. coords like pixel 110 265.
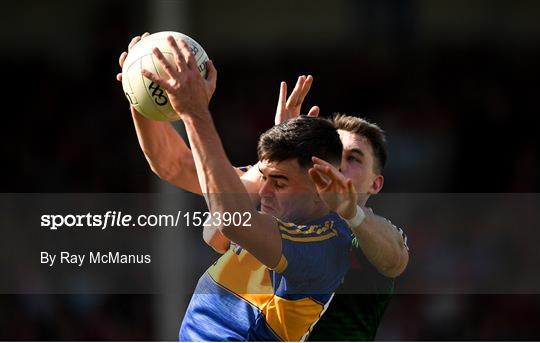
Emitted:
pixel 363 159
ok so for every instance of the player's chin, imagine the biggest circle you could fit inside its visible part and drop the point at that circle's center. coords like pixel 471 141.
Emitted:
pixel 268 210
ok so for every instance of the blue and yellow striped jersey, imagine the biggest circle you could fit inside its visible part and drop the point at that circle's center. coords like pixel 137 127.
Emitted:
pixel 240 299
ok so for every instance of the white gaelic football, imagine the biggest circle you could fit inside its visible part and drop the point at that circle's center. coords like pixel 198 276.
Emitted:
pixel 147 97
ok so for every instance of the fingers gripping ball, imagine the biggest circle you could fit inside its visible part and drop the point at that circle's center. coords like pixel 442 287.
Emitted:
pixel 147 97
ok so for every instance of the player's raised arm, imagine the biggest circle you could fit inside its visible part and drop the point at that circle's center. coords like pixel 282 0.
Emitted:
pixel 224 192
pixel 166 152
pixel 291 107
pixel 384 246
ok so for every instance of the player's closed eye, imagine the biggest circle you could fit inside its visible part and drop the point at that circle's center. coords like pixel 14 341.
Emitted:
pixel 276 184
pixel 352 158
pixel 279 185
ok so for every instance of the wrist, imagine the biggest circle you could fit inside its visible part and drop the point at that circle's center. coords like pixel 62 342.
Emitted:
pixel 202 116
pixel 357 218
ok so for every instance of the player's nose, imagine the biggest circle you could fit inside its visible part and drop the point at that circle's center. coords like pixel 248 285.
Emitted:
pixel 266 190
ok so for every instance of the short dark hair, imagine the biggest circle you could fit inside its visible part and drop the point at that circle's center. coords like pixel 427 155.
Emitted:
pixel 371 131
pixel 301 138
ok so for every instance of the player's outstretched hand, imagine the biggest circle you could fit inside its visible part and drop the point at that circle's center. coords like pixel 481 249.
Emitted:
pixel 290 108
pixel 334 188
pixel 189 93
pixel 124 54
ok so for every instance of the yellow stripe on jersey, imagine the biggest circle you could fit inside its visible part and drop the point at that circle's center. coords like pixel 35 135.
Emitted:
pixel 255 277
pixel 311 229
pixel 282 265
pixel 300 315
pixel 309 239
pixel 306 230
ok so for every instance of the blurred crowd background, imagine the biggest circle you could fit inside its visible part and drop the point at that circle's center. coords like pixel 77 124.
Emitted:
pixel 453 83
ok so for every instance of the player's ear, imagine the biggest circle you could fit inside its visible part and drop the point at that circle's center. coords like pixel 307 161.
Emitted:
pixel 376 184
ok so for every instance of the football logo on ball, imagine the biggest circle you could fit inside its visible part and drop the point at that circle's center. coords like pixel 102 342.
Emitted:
pixel 147 97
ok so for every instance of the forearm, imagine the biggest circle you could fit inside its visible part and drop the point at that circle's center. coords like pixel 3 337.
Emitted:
pixel 224 192
pixel 251 181
pixel 166 152
pixel 382 244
